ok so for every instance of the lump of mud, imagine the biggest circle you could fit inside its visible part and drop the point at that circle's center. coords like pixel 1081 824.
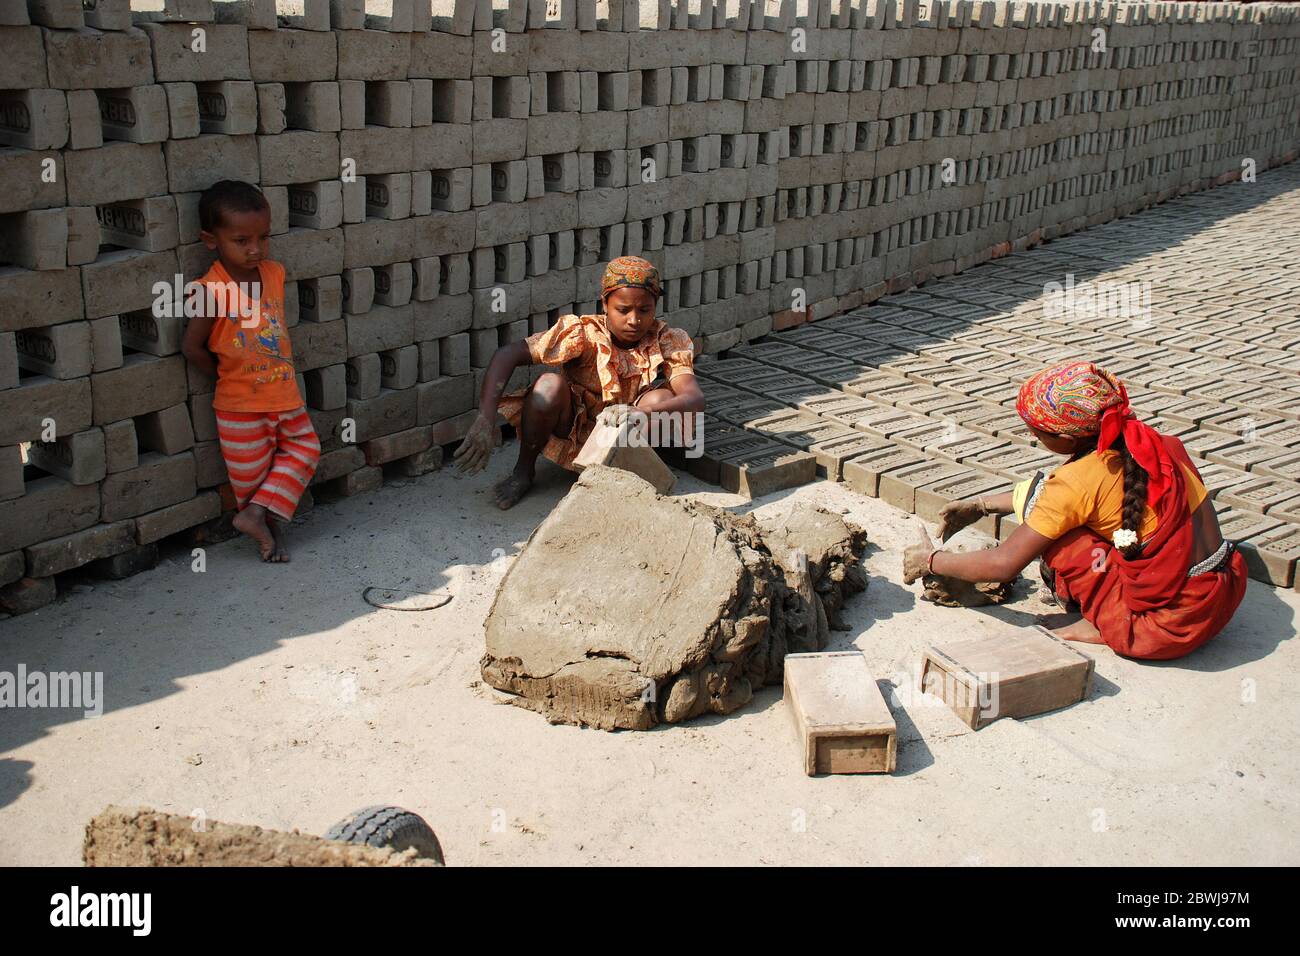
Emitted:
pixel 121 836
pixel 626 609
pixel 951 592
pixel 834 549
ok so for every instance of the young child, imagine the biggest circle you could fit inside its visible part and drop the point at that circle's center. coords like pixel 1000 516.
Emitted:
pixel 625 356
pixel 1127 533
pixel 267 439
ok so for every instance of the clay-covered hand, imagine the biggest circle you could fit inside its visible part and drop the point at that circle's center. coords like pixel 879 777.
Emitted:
pixel 916 558
pixel 959 514
pixel 476 449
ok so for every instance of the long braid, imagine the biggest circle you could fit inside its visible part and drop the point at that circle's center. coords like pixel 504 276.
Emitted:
pixel 1135 489
pixel 1135 496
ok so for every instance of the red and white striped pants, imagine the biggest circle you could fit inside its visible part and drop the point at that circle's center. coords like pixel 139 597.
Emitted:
pixel 270 457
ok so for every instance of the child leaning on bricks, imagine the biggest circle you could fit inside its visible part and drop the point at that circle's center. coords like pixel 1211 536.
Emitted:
pixel 624 356
pixel 267 439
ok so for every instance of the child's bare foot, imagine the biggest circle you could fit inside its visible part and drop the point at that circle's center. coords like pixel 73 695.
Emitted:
pixel 252 522
pixel 511 488
pixel 281 552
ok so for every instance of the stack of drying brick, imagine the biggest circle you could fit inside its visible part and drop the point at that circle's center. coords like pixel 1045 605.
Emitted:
pixel 449 177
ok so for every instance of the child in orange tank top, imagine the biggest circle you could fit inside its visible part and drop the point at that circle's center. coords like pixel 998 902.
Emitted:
pixel 267 439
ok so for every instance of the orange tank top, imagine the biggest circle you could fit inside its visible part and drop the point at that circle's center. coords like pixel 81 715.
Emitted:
pixel 251 343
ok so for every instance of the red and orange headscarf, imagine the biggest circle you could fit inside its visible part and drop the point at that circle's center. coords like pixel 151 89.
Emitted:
pixel 1070 399
pixel 1079 399
pixel 630 272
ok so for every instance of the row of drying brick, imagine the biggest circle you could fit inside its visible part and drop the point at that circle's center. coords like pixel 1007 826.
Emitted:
pixel 125 201
pixel 121 181
pixel 943 413
pixel 986 363
pixel 1259 459
pixel 384 126
pixel 763 85
pixel 920 464
pixel 519 278
pixel 382 147
pixel 1154 350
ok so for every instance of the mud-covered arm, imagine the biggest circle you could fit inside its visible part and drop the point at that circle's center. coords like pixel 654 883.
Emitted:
pixel 687 395
pixel 503 364
pixel 1002 563
pixel 961 514
pixel 999 504
pixel 482 437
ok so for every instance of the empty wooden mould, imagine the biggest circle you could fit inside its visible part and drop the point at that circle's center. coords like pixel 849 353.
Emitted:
pixel 1020 672
pixel 839 713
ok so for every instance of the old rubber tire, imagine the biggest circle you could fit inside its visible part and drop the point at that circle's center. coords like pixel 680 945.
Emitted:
pixel 390 827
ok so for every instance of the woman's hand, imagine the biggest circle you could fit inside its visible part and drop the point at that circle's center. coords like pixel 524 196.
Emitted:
pixel 960 514
pixel 916 559
pixel 473 454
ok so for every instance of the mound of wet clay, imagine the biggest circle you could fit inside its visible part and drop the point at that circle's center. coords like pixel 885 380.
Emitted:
pixel 626 608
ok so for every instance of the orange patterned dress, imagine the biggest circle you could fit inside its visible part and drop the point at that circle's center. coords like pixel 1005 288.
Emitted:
pixel 599 372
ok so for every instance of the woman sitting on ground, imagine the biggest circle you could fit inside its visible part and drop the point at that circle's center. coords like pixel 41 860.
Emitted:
pixel 1127 534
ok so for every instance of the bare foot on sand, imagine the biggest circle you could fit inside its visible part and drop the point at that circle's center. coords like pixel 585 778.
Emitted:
pixel 510 489
pixel 281 552
pixel 252 522
pixel 1081 630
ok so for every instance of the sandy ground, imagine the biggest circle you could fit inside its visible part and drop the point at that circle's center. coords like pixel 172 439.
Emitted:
pixel 275 695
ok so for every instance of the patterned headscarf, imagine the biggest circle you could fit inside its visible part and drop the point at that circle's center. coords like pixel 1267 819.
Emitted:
pixel 1080 399
pixel 1070 399
pixel 630 272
